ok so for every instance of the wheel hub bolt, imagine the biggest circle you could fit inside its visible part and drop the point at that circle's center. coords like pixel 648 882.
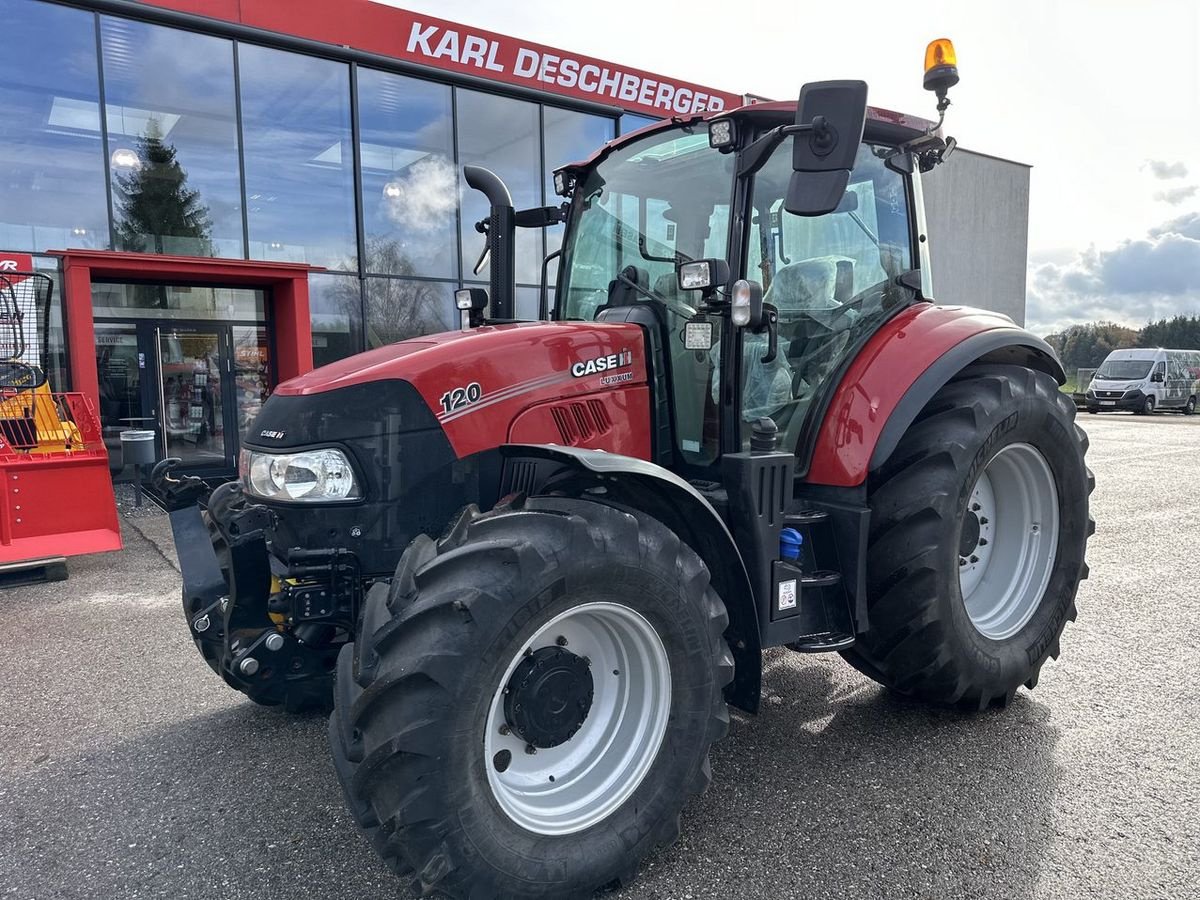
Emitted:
pixel 201 624
pixel 983 542
pixel 561 641
pixel 983 520
pixel 273 641
pixel 504 729
pixel 249 665
pixel 975 507
pixel 974 558
pixel 530 749
pixel 962 560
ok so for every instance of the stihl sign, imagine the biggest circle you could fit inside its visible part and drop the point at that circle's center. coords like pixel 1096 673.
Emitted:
pixel 559 71
pixel 382 29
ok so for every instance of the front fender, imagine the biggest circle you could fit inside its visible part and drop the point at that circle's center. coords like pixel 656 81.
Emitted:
pixel 539 469
pixel 899 370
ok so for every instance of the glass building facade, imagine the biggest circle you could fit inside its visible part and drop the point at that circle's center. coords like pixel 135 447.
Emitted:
pixel 123 134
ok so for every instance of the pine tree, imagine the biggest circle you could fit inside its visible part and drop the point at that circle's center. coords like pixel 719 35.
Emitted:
pixel 156 205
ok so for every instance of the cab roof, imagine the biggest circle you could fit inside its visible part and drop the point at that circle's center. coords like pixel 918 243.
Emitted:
pixel 882 125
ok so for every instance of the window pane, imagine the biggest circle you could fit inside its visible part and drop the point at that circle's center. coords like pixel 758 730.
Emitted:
pixel 831 278
pixel 52 159
pixel 173 140
pixel 299 164
pixel 409 187
pixel 569 137
pixel 501 134
pixel 173 301
pixel 632 122
pixel 335 304
pixel 55 364
pixel 398 309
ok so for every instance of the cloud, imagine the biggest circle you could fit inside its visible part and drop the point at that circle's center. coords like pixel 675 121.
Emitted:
pixel 1152 277
pixel 1162 169
pixel 1176 195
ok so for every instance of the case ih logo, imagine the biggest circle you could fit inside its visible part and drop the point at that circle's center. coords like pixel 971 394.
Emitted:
pixel 603 364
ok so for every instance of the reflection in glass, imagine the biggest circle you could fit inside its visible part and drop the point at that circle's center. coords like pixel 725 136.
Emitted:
pixel 632 122
pixel 155 209
pixel 52 189
pixel 398 309
pixel 154 301
pixel 299 164
pixel 251 373
pixel 335 307
pixel 568 136
pixel 119 370
pixel 193 423
pixel 170 104
pixel 502 134
pixel 409 186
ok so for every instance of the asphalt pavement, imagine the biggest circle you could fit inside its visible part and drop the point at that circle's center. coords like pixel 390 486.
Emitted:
pixel 127 769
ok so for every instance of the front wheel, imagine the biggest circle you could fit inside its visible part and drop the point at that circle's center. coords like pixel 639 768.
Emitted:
pixel 531 703
pixel 1147 406
pixel 979 522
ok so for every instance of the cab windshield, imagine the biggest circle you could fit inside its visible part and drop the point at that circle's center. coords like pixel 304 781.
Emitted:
pixel 659 200
pixel 1124 369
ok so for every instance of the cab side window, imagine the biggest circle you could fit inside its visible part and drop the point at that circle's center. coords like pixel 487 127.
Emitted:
pixel 832 278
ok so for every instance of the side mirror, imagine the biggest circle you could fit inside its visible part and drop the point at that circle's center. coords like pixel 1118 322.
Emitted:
pixel 830 118
pixel 1158 377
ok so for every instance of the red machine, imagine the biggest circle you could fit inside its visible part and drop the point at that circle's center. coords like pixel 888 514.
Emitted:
pixel 532 563
pixel 58 496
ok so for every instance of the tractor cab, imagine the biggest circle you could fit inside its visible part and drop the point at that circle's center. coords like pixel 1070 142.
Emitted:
pixel 666 197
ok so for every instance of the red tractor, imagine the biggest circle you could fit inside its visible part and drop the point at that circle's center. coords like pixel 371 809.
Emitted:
pixel 533 562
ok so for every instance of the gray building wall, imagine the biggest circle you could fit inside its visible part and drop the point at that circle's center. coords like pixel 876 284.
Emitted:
pixel 977 214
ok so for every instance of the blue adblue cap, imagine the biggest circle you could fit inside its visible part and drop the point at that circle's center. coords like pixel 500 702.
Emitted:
pixel 790 541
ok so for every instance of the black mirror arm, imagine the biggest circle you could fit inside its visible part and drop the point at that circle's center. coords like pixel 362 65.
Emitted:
pixel 544 297
pixel 756 155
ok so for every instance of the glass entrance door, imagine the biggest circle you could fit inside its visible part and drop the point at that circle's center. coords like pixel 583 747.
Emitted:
pixel 198 385
pixel 194 380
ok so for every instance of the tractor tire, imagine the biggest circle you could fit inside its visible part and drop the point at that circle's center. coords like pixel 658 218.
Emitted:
pixel 313 695
pixel 530 703
pixel 979 523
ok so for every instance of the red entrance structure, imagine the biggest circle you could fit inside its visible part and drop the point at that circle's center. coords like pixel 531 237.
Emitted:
pixel 57 499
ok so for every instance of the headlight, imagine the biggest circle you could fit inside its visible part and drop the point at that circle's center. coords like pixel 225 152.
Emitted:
pixel 308 476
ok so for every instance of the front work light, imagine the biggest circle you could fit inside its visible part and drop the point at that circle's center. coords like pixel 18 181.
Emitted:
pixel 941 66
pixel 702 274
pixel 721 133
pixel 306 476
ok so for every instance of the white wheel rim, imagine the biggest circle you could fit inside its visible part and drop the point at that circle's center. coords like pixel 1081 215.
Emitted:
pixel 1004 576
pixel 570 787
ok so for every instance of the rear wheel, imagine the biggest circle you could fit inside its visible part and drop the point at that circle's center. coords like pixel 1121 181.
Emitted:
pixel 1190 406
pixel 978 529
pixel 541 685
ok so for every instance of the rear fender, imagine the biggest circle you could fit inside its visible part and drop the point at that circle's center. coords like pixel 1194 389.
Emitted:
pixel 538 469
pixel 899 370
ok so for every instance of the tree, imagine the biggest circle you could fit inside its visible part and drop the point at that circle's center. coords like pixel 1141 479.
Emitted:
pixel 1178 333
pixel 1086 345
pixel 397 308
pixel 156 205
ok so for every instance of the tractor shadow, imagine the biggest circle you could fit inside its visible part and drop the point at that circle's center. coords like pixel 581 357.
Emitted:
pixel 840 789
pixel 835 789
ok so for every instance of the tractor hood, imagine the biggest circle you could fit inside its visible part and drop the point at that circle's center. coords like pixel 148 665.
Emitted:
pixel 474 383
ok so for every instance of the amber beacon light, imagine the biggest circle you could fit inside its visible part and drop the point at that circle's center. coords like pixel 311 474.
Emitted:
pixel 941 66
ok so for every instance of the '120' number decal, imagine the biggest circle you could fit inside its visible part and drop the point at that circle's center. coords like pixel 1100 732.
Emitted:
pixel 461 397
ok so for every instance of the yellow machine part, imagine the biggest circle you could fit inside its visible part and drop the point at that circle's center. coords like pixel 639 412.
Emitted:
pixel 31 421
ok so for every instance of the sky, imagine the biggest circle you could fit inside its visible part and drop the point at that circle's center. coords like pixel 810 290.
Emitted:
pixel 1101 97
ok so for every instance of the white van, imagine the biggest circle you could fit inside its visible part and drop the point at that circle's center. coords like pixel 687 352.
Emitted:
pixel 1145 381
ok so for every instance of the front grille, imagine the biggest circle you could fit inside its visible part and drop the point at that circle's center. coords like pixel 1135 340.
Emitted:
pixel 1109 395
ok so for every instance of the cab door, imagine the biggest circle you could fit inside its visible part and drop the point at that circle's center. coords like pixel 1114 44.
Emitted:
pixel 1159 385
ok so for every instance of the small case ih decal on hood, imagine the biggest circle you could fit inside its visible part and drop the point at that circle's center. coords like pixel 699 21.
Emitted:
pixel 599 364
